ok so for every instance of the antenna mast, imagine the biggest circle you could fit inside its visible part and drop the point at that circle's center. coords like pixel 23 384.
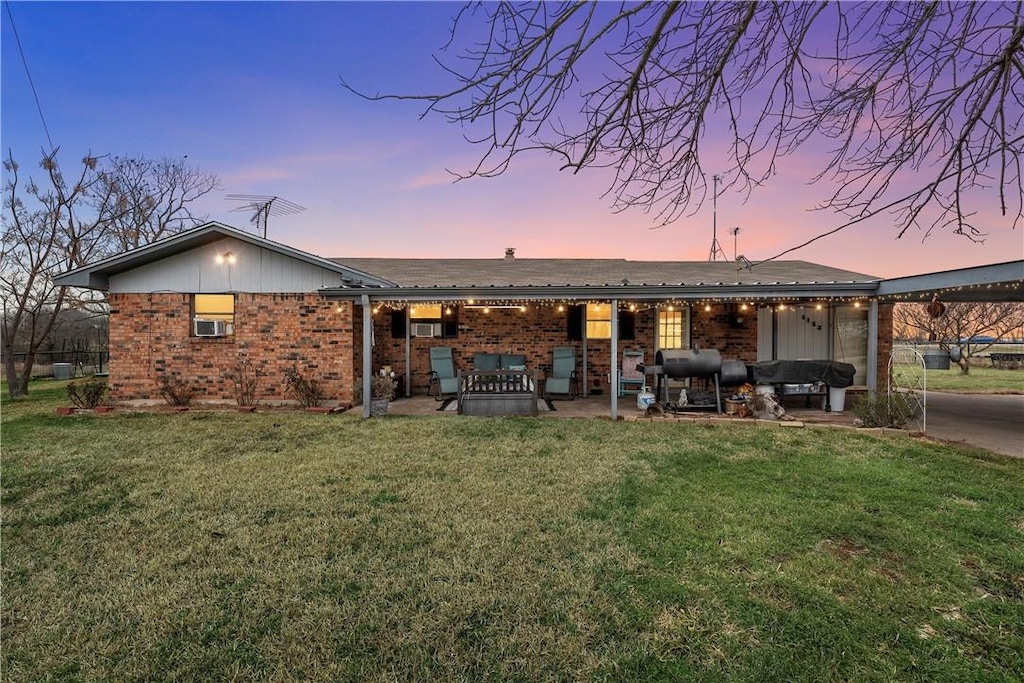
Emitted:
pixel 263 207
pixel 716 247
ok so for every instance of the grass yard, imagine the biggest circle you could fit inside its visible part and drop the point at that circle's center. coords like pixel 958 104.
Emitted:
pixel 979 380
pixel 289 546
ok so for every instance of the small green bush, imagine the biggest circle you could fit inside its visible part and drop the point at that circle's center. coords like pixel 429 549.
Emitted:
pixel 87 394
pixel 879 410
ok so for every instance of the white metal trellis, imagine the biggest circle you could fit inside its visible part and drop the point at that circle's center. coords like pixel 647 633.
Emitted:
pixel 908 375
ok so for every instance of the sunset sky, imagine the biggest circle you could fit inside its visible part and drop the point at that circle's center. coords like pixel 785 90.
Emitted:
pixel 250 92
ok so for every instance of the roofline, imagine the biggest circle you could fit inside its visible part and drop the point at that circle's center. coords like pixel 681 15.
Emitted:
pixel 749 291
pixel 97 275
pixel 949 282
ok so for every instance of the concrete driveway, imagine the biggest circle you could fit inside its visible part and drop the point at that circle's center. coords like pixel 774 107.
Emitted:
pixel 992 421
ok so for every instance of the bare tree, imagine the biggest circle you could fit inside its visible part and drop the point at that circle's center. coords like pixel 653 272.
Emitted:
pixel 60 223
pixel 158 196
pixel 919 103
pixel 971 327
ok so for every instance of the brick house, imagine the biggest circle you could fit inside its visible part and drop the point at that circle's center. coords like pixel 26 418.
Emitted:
pixel 191 306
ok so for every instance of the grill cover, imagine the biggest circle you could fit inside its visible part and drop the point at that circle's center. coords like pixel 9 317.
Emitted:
pixel 677 363
pixel 831 372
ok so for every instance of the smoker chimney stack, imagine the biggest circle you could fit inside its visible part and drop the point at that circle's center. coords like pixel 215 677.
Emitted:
pixel 510 252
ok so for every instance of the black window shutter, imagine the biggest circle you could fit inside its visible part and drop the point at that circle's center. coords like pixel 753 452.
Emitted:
pixel 575 322
pixel 627 325
pixel 450 323
pixel 398 324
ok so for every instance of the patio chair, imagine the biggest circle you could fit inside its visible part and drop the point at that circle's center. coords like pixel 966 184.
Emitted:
pixel 562 379
pixel 631 379
pixel 443 379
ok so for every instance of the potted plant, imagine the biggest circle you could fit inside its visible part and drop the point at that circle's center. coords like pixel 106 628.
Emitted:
pixel 382 390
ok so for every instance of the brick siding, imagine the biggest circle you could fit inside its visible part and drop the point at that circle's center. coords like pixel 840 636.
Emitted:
pixel 150 336
pixel 539 329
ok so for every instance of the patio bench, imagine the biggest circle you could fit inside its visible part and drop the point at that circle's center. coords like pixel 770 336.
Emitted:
pixel 497 392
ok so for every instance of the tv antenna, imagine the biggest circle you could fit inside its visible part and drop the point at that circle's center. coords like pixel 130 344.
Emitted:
pixel 716 246
pixel 263 207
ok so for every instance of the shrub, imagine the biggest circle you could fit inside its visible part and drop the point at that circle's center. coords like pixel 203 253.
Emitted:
pixel 176 391
pixel 879 410
pixel 88 394
pixel 308 392
pixel 246 378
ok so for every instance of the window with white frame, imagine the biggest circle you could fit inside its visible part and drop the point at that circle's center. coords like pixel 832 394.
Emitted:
pixel 599 321
pixel 673 327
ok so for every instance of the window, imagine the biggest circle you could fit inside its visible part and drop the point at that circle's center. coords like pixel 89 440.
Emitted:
pixel 213 315
pixel 599 321
pixel 673 330
pixel 426 320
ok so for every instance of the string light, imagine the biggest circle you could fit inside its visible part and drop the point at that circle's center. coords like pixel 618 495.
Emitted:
pixel 447 306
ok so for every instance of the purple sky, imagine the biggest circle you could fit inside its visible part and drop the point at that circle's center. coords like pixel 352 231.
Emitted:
pixel 250 92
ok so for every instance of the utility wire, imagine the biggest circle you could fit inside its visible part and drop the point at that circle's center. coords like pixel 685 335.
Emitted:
pixel 24 62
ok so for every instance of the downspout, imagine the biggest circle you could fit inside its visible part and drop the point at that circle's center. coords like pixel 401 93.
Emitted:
pixel 872 368
pixel 613 387
pixel 367 353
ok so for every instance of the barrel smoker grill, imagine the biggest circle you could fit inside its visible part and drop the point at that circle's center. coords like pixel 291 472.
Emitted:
pixel 706 364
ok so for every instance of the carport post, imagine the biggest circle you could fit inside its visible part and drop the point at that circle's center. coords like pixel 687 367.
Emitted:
pixel 367 353
pixel 872 367
pixel 613 387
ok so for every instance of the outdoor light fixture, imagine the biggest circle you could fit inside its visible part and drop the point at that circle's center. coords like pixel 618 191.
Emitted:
pixel 227 257
pixel 707 308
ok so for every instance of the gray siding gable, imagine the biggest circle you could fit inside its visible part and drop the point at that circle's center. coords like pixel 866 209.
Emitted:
pixel 166 265
pixel 256 270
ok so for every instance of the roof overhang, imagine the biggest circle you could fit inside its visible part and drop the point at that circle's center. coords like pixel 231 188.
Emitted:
pixel 995 282
pixel 97 275
pixel 774 291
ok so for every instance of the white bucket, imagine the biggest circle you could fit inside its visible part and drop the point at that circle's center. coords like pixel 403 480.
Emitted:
pixel 837 399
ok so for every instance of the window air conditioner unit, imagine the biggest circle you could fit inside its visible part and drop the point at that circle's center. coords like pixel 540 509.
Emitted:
pixel 426 330
pixel 209 328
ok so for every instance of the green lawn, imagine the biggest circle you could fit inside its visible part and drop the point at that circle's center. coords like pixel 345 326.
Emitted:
pixel 290 546
pixel 985 380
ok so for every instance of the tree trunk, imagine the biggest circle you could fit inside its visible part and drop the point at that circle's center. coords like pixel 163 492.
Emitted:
pixel 14 384
pixel 965 365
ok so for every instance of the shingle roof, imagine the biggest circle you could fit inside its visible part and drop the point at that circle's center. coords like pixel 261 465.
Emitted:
pixel 527 272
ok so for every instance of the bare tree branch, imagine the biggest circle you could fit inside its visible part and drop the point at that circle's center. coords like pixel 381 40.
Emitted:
pixel 52 226
pixel 919 103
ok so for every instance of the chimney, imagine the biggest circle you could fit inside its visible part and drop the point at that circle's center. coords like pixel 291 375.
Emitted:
pixel 510 252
